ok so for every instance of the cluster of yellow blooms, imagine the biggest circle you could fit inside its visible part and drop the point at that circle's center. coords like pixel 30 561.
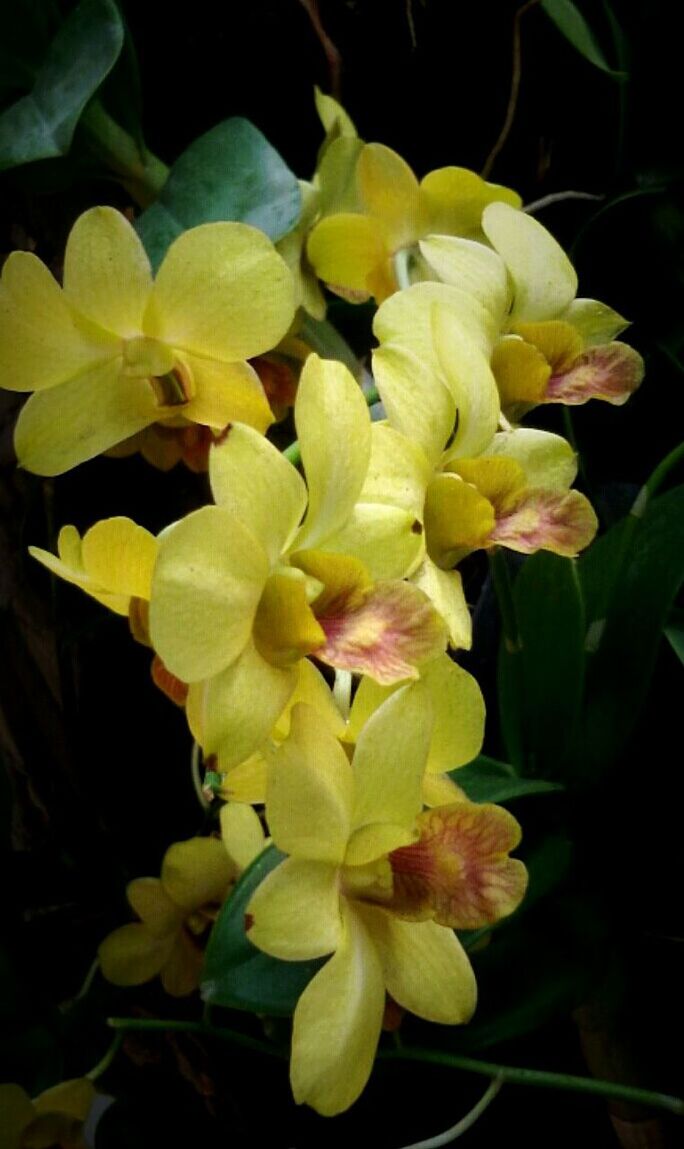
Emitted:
pixel 348 561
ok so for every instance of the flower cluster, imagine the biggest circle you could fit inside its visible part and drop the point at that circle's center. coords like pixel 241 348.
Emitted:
pixel 307 619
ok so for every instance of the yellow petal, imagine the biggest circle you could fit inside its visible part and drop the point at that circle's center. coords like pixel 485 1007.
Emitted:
pixel 454 200
pixel 456 516
pixel 417 402
pixel 441 790
pixel 222 292
pixel 387 540
pixel 253 480
pixel 42 340
pixel 521 371
pixel 208 580
pixel 595 322
pixel 389 190
pixel 180 974
pixel 469 377
pixel 17 1113
pixel 107 274
pixel 242 833
pixel 337 1025
pixel 73 573
pixel 335 178
pixel 334 430
pixel 544 280
pixel 312 689
pixel 425 967
pixel 120 556
pixel 445 590
pixel 67 425
pixel 197 872
pixel 332 115
pixel 226 393
pixel 558 341
pixel 133 955
pixel 564 523
pixel 497 478
pixel 611 372
pixel 295 912
pixel 344 580
pixel 246 782
pixel 459 715
pixel 406 319
pixel 548 460
pixel 345 249
pixel 285 627
pixel 459 872
pixel 398 472
pixel 471 266
pixel 74 1097
pixel 150 901
pixel 389 760
pixel 232 713
pixel 310 791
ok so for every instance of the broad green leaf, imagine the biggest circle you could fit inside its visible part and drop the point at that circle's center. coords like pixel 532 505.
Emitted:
pixel 238 975
pixel 623 643
pixel 541 682
pixel 674 632
pixel 229 173
pixel 486 780
pixel 571 24
pixel 41 124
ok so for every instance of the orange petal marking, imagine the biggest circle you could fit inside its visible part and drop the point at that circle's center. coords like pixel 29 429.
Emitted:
pixel 278 381
pixel 139 620
pixel 546 520
pixel 169 685
pixel 610 372
pixel 386 635
pixel 458 872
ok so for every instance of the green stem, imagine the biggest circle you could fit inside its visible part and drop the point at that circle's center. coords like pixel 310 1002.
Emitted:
pixel 294 454
pixel 105 1062
pixel 141 173
pixel 657 478
pixel 511 1073
pixel 538 1077
pixel 501 579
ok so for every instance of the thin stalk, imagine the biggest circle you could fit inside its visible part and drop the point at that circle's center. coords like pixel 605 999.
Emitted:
pixel 141 173
pixel 155 1025
pixel 559 197
pixel 466 1123
pixel 105 1062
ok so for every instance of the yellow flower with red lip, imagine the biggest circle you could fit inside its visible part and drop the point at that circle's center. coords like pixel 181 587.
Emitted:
pixel 55 1118
pixel 177 910
pixel 115 351
pixel 352 250
pixel 376 884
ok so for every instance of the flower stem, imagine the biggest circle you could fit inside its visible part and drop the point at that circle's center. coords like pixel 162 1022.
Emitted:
pixel 465 1123
pixel 155 1025
pixel 105 1062
pixel 141 173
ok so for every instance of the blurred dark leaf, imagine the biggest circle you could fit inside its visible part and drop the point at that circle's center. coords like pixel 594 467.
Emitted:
pixel 572 24
pixel 486 780
pixel 674 632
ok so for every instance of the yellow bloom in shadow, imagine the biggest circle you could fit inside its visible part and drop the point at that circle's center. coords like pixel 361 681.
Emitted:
pixel 53 1120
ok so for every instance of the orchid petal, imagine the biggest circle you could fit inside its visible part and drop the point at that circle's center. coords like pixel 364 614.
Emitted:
pixel 544 280
pixel 107 274
pixel 294 914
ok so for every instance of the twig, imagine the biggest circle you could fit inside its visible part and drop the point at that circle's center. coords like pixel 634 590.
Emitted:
pixel 332 52
pixel 516 74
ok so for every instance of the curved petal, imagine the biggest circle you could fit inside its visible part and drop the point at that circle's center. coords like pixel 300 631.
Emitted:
pixel 310 791
pixel 471 266
pixel 257 484
pixel 417 402
pixel 241 833
pixel 197 872
pixel 222 292
pixel 611 372
pixel 233 712
pixel 390 757
pixel 459 715
pixel 445 590
pixel 398 471
pixel 207 583
pixel 334 430
pixel 312 689
pixel 345 249
pixel 64 426
pixel 285 627
pixel 150 901
pixel 469 377
pixel 107 274
pixel 455 197
pixel 133 955
pixel 43 342
pixel 547 459
pixel 425 967
pixel 226 393
pixel 72 571
pixel 389 190
pixel 246 782
pixel 295 912
pixel 595 321
pixel 17 1113
pixel 337 1024
pixel 180 974
pixel 521 371
pixel 120 556
pixel 456 516
pixel 544 280
pixel 406 319
pixel 387 540
pixel 74 1097
pixel 564 523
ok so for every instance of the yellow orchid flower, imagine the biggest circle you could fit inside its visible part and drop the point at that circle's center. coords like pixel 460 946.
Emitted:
pixel 353 251
pixel 55 1118
pixel 243 590
pixel 114 351
pixel 177 910
pixel 356 839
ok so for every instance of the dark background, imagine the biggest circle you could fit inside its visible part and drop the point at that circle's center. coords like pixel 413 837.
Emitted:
pixel 98 762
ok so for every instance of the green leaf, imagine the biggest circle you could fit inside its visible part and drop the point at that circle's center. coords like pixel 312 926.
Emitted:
pixel 649 561
pixel 41 124
pixel 238 975
pixel 571 24
pixel 674 632
pixel 486 780
pixel 541 681
pixel 230 173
